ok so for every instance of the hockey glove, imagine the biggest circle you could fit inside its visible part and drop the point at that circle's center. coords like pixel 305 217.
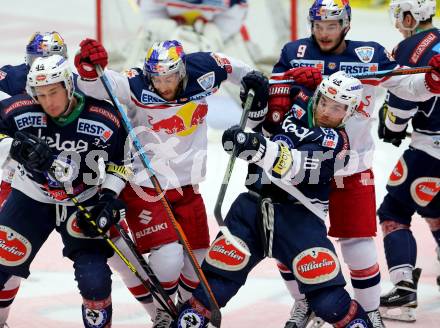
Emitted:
pixel 310 77
pixel 432 78
pixel 395 138
pixel 90 54
pixel 32 152
pixel 258 82
pixel 108 211
pixel 248 146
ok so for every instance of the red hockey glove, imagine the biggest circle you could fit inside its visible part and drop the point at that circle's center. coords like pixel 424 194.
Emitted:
pixel 432 79
pixel 310 77
pixel 279 102
pixel 91 53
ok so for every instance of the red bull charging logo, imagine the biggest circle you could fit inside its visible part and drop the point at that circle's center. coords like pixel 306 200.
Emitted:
pixel 184 122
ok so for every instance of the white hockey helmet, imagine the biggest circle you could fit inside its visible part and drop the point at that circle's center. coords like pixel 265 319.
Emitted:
pixel 164 58
pixel 342 88
pixel 421 10
pixel 50 70
pixel 330 10
pixel 44 45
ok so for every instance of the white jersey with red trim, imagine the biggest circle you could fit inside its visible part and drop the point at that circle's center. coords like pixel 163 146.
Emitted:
pixel 228 15
pixel 173 134
pixel 358 57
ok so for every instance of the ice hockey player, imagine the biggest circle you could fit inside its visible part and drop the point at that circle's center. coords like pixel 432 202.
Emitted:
pixel 413 183
pixel 56 136
pixel 268 221
pixel 13 82
pixel 13 77
pixel 167 105
pixel 352 208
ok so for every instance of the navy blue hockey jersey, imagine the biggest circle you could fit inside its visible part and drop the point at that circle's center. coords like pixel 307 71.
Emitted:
pixel 95 135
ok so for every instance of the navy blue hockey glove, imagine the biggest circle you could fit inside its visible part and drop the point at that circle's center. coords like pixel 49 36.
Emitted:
pixel 32 152
pixel 395 138
pixel 248 145
pixel 108 211
pixel 259 83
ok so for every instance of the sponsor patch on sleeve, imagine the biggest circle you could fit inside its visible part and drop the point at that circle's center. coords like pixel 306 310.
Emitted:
pixel 283 163
pixel 330 139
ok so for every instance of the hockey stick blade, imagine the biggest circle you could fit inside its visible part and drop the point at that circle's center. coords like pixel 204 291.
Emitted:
pixel 215 310
pixel 228 172
pixel 378 74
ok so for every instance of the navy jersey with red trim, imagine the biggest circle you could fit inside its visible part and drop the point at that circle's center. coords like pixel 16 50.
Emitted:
pixel 321 151
pixel 96 133
pixel 205 72
pixel 358 57
pixel 13 79
pixel 416 51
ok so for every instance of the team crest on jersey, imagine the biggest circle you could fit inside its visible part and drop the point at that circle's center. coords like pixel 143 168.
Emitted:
pixel 222 254
pixel 357 68
pixel 31 119
pixel 332 65
pixel 330 139
pixel 14 248
pixel 94 128
pixel 399 173
pixel 365 54
pixel 357 323
pixel 284 140
pixel 316 265
pixel 3 75
pixel 319 64
pixel 190 319
pixel 96 317
pixel 207 81
pixel 424 189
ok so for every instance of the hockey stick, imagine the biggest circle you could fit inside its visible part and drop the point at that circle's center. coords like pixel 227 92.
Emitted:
pixel 221 194
pixel 215 310
pixel 155 285
pixel 378 74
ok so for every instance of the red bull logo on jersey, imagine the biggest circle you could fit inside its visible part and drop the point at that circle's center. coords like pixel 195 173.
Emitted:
pixel 357 68
pixel 319 64
pixel 316 265
pixel 14 248
pixel 399 173
pixel 184 122
pixel 424 189
pixel 3 75
pixel 34 119
pixel 222 254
